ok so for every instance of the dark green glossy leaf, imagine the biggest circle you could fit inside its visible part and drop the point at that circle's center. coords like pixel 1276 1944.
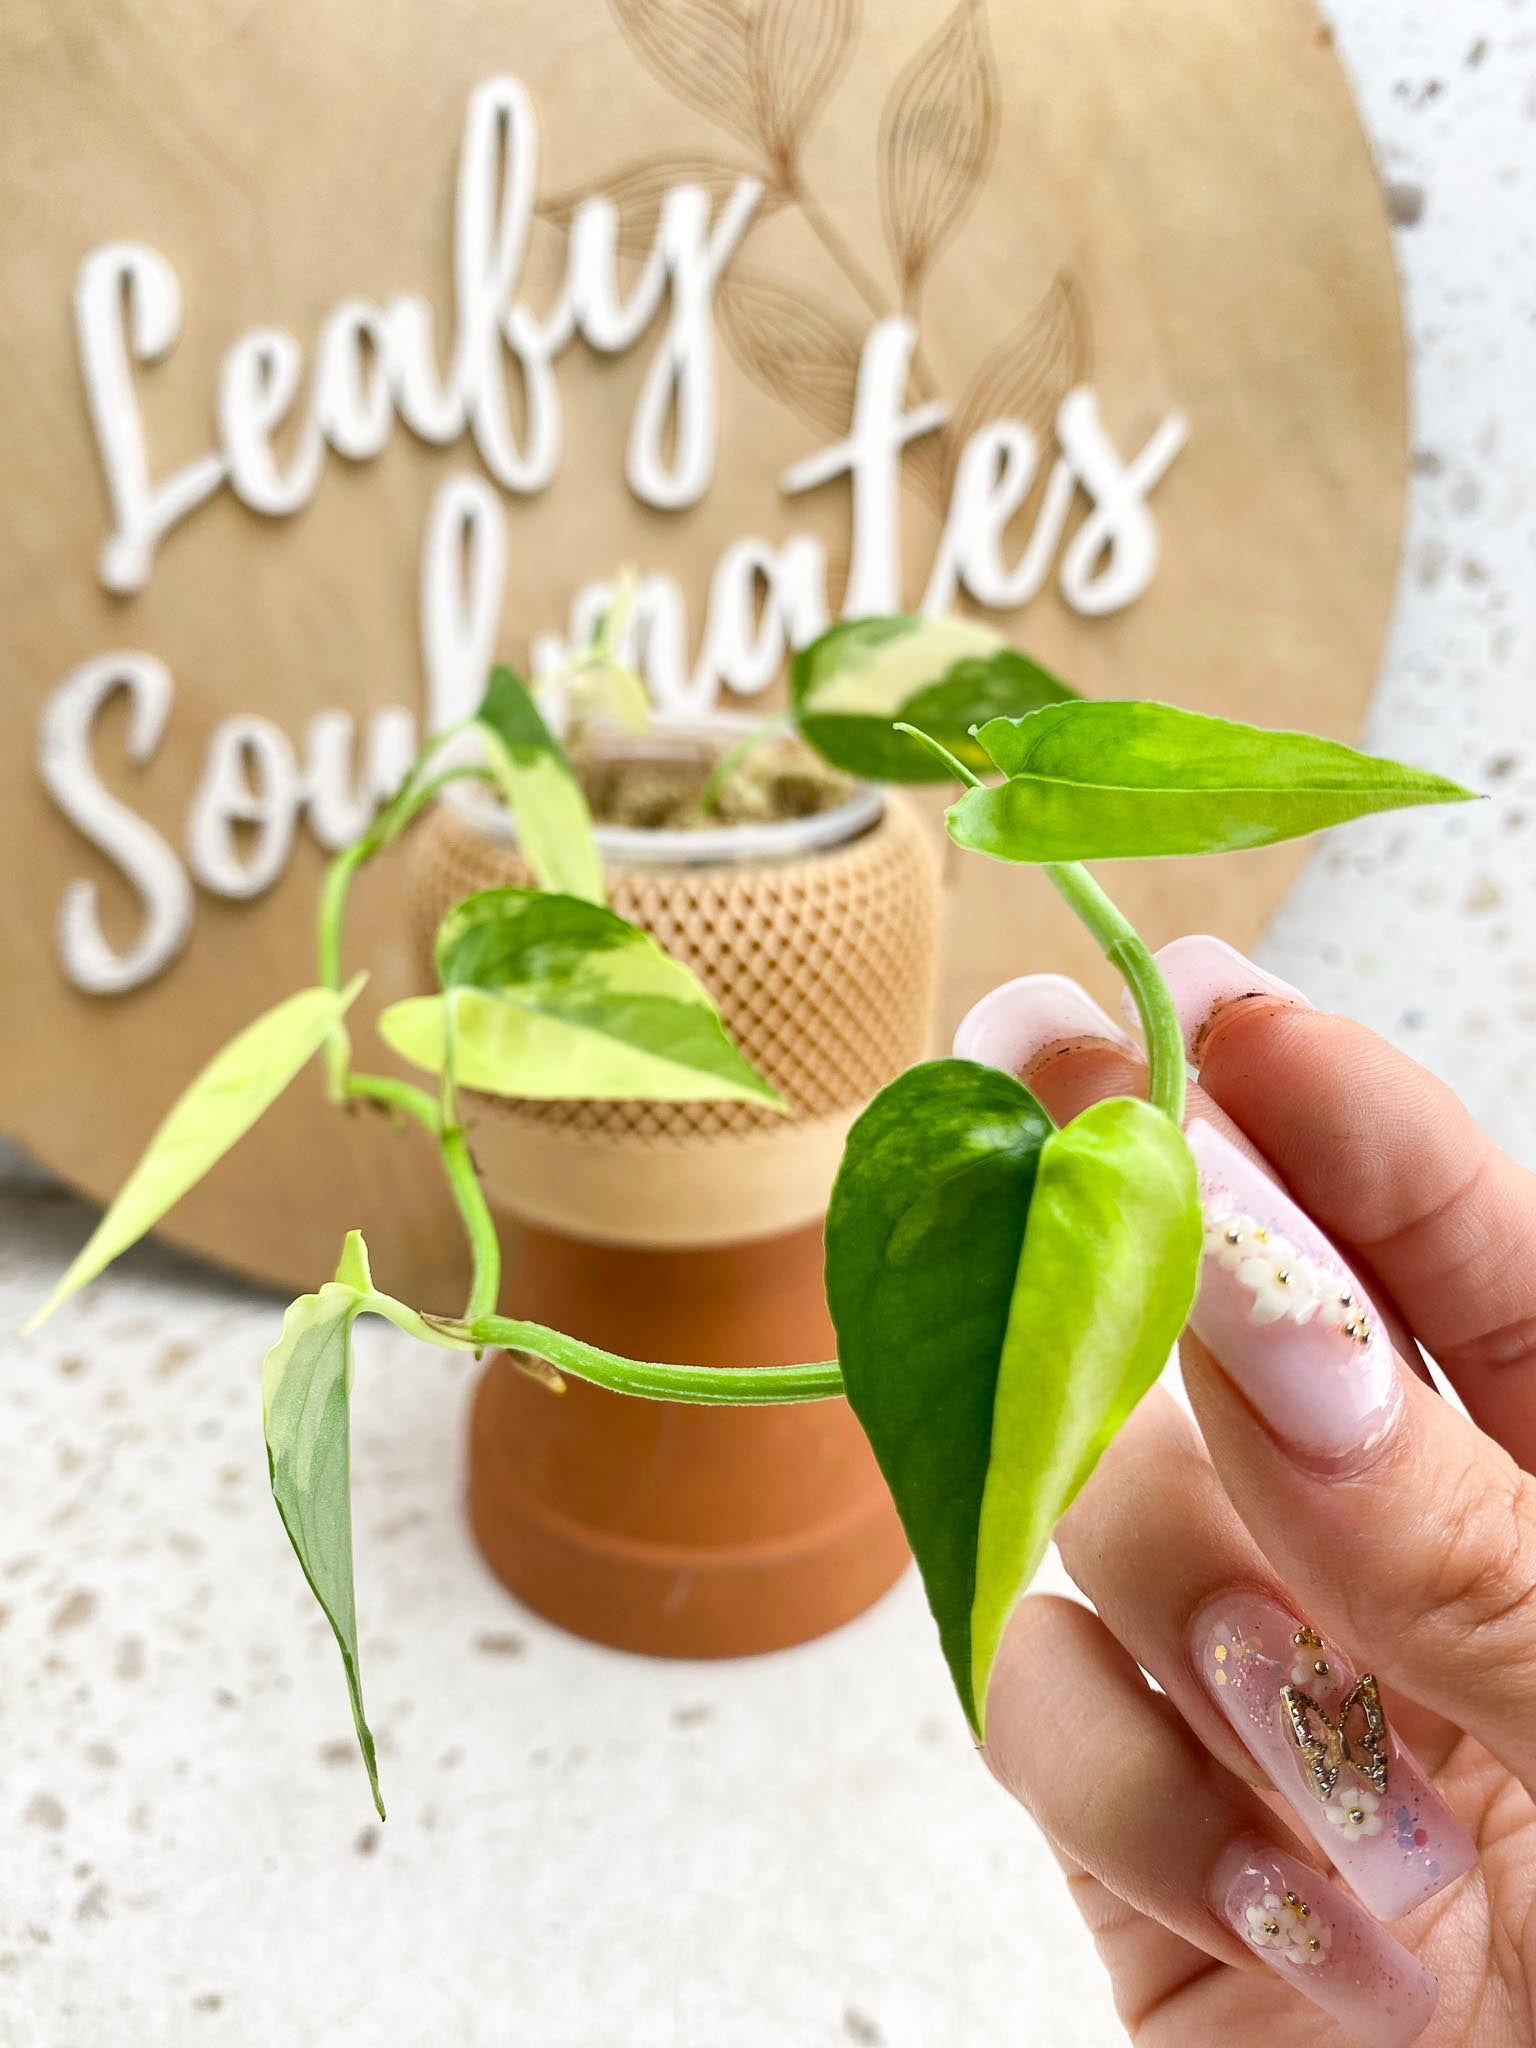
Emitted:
pixel 944 675
pixel 1003 1294
pixel 560 999
pixel 1110 781
pixel 554 826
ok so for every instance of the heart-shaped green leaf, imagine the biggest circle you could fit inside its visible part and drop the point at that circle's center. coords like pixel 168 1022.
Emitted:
pixel 1105 1280
pixel 1003 1294
pixel 1110 781
pixel 923 1237
pixel 559 999
pixel 942 675
pixel 213 1112
pixel 554 826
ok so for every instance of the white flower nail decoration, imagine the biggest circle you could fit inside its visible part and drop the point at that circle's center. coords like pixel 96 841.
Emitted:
pixel 1267 1922
pixel 1288 1928
pixel 1353 1810
pixel 1286 1284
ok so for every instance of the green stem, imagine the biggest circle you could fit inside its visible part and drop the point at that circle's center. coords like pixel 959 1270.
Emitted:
pixel 1126 951
pixel 1123 948
pixel 484 1244
pixel 715 1385
pixel 439 1117
pixel 395 1094
pixel 413 795
pixel 733 759
pixel 463 1181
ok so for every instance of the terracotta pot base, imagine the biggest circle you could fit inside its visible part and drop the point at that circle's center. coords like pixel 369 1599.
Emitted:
pixel 679 1531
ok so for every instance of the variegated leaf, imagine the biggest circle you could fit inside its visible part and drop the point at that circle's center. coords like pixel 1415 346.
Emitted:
pixel 556 999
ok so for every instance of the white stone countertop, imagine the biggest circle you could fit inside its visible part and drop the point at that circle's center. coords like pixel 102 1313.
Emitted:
pixel 588 1850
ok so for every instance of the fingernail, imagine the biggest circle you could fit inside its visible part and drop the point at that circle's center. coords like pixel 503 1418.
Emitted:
pixel 1323 1944
pixel 1283 1315
pixel 1205 977
pixel 1017 1025
pixel 1353 1786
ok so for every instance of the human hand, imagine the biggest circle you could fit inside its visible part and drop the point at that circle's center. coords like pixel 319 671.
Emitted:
pixel 1339 1519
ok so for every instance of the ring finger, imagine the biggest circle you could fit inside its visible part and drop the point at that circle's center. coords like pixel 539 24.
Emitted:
pixel 1124 1791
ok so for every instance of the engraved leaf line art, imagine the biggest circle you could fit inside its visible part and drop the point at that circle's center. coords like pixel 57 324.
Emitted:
pixel 798 51
pixel 938 131
pixel 639 190
pixel 1025 378
pixel 766 73
pixel 699 51
pixel 797 352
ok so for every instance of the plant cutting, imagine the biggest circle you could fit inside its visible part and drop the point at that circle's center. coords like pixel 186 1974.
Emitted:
pixel 808 899
pixel 1003 1291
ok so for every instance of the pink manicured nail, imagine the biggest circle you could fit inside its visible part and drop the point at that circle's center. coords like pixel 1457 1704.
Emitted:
pixel 1017 1024
pixel 1281 1685
pixel 1315 1938
pixel 1283 1315
pixel 1206 976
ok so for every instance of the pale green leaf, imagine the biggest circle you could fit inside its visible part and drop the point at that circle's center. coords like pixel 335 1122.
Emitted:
pixel 600 688
pixel 558 999
pixel 1105 1280
pixel 1105 781
pixel 306 1384
pixel 213 1112
pixel 554 826
pixel 943 675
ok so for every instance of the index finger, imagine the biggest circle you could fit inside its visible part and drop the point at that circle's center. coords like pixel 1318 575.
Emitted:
pixel 1389 1164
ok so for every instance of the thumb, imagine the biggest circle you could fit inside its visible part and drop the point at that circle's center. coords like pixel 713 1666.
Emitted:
pixel 1402 1530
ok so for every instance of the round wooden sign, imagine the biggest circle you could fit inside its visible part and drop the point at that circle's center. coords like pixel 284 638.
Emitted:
pixel 358 348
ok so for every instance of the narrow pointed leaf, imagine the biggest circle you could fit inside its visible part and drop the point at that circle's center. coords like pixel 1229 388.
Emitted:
pixel 1109 781
pixel 1105 1281
pixel 943 675
pixel 213 1112
pixel 306 1383
pixel 923 1238
pixel 554 826
pixel 554 998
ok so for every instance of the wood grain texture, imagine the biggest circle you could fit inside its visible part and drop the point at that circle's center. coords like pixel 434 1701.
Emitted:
pixel 1190 182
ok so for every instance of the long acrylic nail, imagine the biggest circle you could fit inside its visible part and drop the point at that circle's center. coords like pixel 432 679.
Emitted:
pixel 1017 1025
pixel 1321 1942
pixel 1288 1322
pixel 1321 1735
pixel 1205 977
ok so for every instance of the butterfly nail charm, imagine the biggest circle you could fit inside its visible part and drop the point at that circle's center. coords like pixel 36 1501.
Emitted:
pixel 1328 1743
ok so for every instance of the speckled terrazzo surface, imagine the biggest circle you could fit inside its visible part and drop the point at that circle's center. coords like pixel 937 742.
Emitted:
pixel 588 1851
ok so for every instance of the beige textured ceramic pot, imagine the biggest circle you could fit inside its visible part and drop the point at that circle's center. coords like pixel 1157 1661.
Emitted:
pixel 692 1231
